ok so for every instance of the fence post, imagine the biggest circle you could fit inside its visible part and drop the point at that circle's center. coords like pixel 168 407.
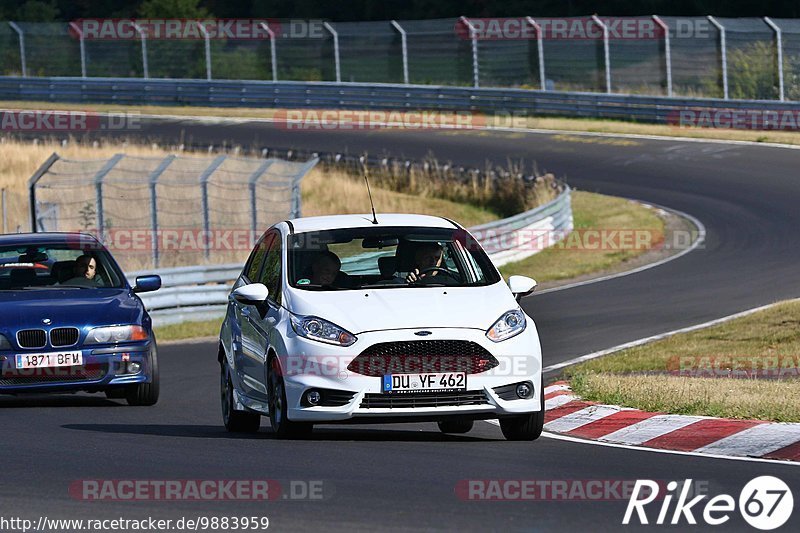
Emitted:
pixel 143 37
pixel 273 57
pixel 153 181
pixel 473 35
pixel 723 46
pixel 21 48
pixel 252 182
pixel 32 185
pixel 82 46
pixel 335 50
pixel 606 55
pixel 207 39
pixel 296 196
pixel 204 177
pixel 98 187
pixel 779 44
pixel 404 45
pixel 667 52
pixel 540 51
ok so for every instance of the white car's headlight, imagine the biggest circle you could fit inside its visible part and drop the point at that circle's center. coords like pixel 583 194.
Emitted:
pixel 114 334
pixel 510 324
pixel 315 328
pixel 4 344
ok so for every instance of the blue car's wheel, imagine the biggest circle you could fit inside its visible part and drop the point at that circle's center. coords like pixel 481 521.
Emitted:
pixel 146 393
pixel 235 421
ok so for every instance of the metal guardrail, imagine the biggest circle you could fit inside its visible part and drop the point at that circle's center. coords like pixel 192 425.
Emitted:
pixel 201 292
pixel 654 109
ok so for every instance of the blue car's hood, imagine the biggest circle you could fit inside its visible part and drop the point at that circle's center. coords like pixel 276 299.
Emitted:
pixel 73 307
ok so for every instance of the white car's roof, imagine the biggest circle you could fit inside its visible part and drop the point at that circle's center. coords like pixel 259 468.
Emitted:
pixel 303 225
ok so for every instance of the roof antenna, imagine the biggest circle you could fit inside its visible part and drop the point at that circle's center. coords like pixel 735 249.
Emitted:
pixel 366 179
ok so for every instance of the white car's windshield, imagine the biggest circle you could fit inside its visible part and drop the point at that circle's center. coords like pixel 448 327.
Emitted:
pixel 387 257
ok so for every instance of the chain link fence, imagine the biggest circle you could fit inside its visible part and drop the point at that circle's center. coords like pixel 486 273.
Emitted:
pixel 674 56
pixel 162 212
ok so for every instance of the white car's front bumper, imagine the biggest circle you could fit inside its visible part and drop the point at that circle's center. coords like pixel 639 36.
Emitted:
pixel 311 365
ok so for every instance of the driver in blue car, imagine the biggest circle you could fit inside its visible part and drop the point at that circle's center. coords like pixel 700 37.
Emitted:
pixel 85 272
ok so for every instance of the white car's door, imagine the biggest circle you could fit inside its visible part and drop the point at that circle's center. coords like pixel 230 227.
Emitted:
pixel 258 321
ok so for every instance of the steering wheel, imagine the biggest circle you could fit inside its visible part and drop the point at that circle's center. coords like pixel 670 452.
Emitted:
pixel 436 269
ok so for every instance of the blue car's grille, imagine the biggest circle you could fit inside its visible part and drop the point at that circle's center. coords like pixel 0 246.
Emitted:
pixel 63 337
pixel 32 338
pixel 32 376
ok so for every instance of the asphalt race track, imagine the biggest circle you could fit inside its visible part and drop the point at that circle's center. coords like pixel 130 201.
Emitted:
pixel 404 476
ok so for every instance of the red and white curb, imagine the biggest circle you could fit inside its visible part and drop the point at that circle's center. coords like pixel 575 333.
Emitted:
pixel 568 414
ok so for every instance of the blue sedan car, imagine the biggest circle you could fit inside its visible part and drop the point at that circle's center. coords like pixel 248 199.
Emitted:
pixel 69 320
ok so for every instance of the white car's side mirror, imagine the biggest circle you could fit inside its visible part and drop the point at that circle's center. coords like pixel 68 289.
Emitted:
pixel 251 294
pixel 521 286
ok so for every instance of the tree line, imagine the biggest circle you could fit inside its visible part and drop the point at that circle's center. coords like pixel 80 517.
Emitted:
pixel 358 10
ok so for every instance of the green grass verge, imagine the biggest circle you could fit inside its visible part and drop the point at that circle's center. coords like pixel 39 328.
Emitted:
pixel 680 374
pixel 590 211
pixel 189 330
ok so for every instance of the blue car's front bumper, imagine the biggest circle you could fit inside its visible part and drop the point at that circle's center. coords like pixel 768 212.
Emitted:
pixel 103 368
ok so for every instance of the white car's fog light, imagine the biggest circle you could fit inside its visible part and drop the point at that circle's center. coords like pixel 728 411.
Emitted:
pixel 524 390
pixel 313 397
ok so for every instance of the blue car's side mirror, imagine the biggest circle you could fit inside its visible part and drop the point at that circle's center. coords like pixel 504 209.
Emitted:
pixel 147 284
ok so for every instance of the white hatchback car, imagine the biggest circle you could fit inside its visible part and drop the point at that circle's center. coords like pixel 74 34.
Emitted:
pixel 341 319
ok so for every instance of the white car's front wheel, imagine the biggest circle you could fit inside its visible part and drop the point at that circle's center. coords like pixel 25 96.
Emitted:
pixel 525 427
pixel 281 425
pixel 235 421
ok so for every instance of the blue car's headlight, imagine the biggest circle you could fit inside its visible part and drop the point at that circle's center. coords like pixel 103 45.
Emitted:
pixel 315 328
pixel 4 344
pixel 510 324
pixel 114 334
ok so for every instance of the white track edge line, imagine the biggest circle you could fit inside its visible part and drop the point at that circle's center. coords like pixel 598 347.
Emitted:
pixel 567 438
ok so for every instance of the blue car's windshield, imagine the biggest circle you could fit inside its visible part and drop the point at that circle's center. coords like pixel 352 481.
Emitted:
pixel 55 266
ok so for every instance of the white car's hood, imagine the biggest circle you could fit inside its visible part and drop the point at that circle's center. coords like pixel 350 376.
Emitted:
pixel 416 308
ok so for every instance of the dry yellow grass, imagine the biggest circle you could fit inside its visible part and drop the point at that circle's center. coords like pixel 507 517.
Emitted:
pixel 334 192
pixel 766 342
pixel 18 161
pixel 591 212
pixel 777 400
pixel 324 192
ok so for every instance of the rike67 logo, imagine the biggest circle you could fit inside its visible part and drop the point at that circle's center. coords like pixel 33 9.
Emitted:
pixel 765 503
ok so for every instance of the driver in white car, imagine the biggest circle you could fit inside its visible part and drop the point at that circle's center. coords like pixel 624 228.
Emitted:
pixel 428 255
